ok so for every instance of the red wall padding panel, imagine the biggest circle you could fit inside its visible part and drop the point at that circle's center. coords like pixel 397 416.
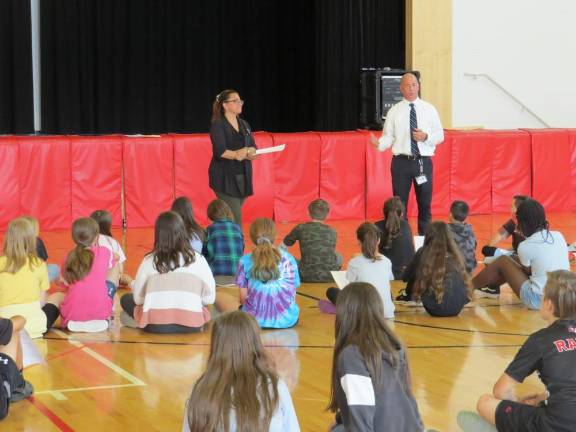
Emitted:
pixel 378 178
pixel 441 197
pixel 192 154
pixel 96 168
pixel 511 167
pixel 45 180
pixel 343 173
pixel 261 204
pixel 148 178
pixel 572 135
pixel 471 170
pixel 297 175
pixel 551 175
pixel 9 181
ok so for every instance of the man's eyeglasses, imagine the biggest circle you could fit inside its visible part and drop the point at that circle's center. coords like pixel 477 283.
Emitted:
pixel 237 101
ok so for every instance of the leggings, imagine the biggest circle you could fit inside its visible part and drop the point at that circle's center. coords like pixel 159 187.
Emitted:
pixel 235 204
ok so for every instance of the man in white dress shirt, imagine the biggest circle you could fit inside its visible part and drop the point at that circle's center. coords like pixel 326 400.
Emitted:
pixel 413 130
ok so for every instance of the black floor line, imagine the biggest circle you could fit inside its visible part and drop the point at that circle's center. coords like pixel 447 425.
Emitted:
pixel 460 330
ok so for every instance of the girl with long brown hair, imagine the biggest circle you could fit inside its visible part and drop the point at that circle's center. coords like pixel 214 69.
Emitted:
pixel 240 390
pixel 396 241
pixel 371 389
pixel 268 279
pixel 437 276
pixel 183 207
pixel 370 267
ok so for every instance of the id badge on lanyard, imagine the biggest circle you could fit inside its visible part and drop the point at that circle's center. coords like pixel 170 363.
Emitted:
pixel 421 179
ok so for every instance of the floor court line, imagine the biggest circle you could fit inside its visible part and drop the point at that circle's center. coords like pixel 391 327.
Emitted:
pixel 123 373
pixel 50 415
pixel 460 330
pixel 58 394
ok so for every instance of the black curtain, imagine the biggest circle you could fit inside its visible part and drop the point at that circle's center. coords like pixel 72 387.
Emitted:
pixel 16 103
pixel 152 66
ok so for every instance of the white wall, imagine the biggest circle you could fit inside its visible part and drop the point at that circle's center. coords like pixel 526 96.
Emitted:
pixel 529 47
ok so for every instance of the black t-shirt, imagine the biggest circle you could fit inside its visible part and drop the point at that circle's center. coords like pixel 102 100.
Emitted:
pixel 401 250
pixel 5 331
pixel 552 353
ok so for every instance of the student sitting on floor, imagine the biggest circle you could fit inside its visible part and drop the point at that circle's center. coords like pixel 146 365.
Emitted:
pixel 463 234
pixel 541 252
pixel 224 242
pixel 318 256
pixel 370 374
pixel 437 276
pixel 13 387
pixel 173 285
pixel 183 207
pixel 105 238
pixel 239 390
pixel 41 252
pixel 551 352
pixel 396 241
pixel 370 267
pixel 89 272
pixel 490 251
pixel 268 279
pixel 24 280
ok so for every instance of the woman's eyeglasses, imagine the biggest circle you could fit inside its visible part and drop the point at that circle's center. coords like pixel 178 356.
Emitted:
pixel 237 101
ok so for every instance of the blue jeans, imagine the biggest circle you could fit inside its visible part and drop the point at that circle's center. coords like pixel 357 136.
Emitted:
pixel 530 298
pixel 53 272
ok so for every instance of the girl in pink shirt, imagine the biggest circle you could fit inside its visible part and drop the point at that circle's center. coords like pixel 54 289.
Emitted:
pixel 88 302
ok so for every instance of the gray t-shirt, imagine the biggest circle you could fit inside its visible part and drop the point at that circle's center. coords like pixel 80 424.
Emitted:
pixel 544 251
pixel 378 273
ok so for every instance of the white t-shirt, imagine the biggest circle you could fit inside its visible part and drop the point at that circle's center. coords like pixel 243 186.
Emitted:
pixel 111 243
pixel 543 252
pixel 377 273
pixel 283 420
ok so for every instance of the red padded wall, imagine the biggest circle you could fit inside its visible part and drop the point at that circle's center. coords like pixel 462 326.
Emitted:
pixel 441 197
pixel 343 173
pixel 572 136
pixel 148 178
pixel 297 175
pixel 378 178
pixel 192 154
pixel 471 169
pixel 45 180
pixel 9 179
pixel 511 167
pixel 551 160
pixel 96 170
pixel 261 204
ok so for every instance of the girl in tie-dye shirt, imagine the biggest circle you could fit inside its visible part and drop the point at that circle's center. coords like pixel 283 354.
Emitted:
pixel 268 278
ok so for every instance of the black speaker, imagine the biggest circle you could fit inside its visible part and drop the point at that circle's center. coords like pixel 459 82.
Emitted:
pixel 379 91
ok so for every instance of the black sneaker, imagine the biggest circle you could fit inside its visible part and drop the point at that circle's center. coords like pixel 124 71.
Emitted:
pixel 21 393
pixel 492 291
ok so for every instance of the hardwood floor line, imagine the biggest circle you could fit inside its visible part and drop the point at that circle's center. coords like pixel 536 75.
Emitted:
pixel 460 330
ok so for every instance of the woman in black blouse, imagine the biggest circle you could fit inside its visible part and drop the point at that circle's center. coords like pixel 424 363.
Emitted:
pixel 233 149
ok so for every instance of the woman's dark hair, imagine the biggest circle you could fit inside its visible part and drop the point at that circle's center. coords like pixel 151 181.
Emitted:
pixel 369 235
pixel 79 260
pixel 360 322
pixel 183 207
pixel 519 199
pixel 217 106
pixel 104 220
pixel 218 210
pixel 531 217
pixel 172 248
pixel 439 252
pixel 393 213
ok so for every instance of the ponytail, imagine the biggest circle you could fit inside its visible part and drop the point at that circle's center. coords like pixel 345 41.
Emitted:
pixel 79 260
pixel 265 257
pixel 393 213
pixel 369 235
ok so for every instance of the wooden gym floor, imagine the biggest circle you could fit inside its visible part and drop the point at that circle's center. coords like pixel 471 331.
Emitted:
pixel 127 380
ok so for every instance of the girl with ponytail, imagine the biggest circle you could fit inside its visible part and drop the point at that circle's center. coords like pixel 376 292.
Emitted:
pixel 396 241
pixel 370 267
pixel 89 298
pixel 268 278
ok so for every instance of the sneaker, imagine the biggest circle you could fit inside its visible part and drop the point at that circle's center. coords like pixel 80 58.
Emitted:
pixel 127 320
pixel 471 422
pixel 492 291
pixel 21 393
pixel 93 326
pixel 405 300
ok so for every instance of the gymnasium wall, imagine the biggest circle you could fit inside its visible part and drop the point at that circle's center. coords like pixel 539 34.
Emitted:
pixel 525 45
pixel 60 178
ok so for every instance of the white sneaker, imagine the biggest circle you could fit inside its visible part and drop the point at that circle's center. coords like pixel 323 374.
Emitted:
pixel 93 326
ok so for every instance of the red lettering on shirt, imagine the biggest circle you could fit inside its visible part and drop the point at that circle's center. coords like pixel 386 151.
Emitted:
pixel 561 346
pixel 571 344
